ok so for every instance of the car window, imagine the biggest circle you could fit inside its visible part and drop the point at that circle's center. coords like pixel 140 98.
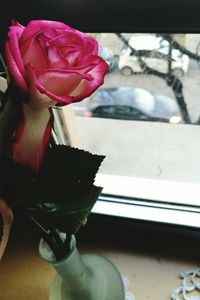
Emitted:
pixel 128 111
pixel 107 110
pixel 117 111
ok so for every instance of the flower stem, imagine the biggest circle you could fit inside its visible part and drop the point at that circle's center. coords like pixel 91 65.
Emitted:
pixel 67 243
pixel 49 239
pixel 59 241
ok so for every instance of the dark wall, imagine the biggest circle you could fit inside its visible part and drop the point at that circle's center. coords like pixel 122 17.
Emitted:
pixel 107 15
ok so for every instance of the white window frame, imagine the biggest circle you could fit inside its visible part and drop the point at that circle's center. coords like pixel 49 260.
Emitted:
pixel 135 198
pixel 149 200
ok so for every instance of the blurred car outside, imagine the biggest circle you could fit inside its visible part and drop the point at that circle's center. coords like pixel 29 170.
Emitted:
pixel 129 103
pixel 108 55
pixel 157 60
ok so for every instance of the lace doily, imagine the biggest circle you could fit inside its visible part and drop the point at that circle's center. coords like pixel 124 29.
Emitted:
pixel 128 295
pixel 190 286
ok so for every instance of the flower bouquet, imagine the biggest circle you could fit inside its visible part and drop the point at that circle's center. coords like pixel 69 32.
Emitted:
pixel 47 65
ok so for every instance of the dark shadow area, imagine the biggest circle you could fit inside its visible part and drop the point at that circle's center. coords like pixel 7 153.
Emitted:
pixel 152 239
pixel 118 16
pixel 117 234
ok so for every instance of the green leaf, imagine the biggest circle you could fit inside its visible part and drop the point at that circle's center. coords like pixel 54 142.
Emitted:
pixel 66 216
pixel 69 163
pixel 62 195
pixel 67 174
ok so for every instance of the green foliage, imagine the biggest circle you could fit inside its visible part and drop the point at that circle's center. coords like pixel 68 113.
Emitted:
pixel 66 216
pixel 63 193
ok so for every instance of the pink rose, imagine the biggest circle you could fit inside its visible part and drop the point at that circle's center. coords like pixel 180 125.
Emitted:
pixel 49 61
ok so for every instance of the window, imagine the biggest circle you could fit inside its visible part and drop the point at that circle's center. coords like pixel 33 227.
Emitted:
pixel 147 128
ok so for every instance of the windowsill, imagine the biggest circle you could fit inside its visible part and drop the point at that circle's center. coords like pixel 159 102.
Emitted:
pixel 150 189
pixel 151 171
pixel 149 200
pixel 144 257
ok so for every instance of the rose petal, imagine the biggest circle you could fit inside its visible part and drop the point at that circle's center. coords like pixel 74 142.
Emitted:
pixel 73 56
pixel 40 25
pixel 14 71
pixel 14 36
pixel 49 82
pixel 76 46
pixel 56 59
pixel 86 88
pixel 37 99
pixel 90 48
pixel 67 38
pixel 91 45
pixel 35 55
pixel 70 45
pixel 83 69
pixel 64 100
pixel 61 82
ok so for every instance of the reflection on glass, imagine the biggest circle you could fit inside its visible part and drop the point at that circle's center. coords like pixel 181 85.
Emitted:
pixel 153 82
pixel 159 66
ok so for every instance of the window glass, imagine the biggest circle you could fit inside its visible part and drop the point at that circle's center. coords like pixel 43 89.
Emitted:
pixel 145 117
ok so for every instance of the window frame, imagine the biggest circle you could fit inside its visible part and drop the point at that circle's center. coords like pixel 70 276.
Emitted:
pixel 136 198
pixel 151 200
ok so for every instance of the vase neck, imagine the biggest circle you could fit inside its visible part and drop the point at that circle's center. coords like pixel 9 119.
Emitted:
pixel 71 269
